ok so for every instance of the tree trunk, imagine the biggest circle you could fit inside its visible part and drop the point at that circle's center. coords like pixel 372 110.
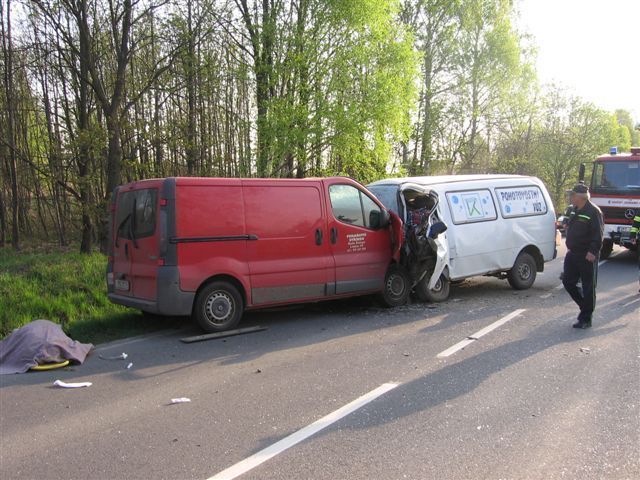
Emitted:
pixel 426 152
pixel 10 95
pixel 192 151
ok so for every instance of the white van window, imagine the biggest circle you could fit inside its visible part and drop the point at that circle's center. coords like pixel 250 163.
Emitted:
pixel 350 205
pixel 521 201
pixel 471 206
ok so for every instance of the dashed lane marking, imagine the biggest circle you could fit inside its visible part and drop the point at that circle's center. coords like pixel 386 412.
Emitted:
pixel 481 333
pixel 297 437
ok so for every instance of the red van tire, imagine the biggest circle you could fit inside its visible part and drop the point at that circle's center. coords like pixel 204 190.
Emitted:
pixel 397 286
pixel 218 307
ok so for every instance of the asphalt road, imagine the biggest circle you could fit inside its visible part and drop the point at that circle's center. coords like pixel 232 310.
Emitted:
pixel 533 398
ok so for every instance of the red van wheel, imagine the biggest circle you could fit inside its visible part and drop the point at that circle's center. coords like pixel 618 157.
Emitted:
pixel 218 307
pixel 396 286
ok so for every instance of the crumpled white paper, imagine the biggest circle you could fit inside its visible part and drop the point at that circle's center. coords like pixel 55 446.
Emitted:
pixel 60 383
pixel 180 400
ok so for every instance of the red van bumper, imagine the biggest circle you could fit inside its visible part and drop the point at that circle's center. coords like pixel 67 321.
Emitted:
pixel 170 301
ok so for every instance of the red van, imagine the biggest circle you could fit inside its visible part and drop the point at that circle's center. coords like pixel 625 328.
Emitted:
pixel 213 247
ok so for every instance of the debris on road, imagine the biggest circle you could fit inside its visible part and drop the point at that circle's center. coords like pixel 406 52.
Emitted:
pixel 60 383
pixel 180 400
pixel 228 333
pixel 585 350
pixel 129 366
pixel 122 356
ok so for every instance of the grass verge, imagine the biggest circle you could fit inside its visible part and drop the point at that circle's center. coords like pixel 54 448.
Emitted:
pixel 68 289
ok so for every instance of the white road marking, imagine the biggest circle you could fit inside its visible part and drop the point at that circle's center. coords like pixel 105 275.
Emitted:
pixel 631 302
pixel 496 324
pixel 546 295
pixel 472 338
pixel 458 346
pixel 263 455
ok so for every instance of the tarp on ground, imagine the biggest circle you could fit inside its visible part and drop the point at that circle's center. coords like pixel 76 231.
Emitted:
pixel 39 342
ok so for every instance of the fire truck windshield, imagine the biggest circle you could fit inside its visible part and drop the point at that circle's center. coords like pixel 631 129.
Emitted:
pixel 616 178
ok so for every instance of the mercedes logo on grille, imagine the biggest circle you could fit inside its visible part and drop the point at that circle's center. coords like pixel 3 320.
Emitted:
pixel 629 213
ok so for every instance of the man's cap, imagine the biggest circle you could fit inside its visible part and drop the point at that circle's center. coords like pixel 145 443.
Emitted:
pixel 580 188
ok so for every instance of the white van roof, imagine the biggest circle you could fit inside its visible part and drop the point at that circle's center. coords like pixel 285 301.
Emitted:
pixel 441 179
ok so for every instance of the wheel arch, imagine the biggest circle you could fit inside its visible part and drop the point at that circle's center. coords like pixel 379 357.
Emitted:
pixel 536 254
pixel 223 278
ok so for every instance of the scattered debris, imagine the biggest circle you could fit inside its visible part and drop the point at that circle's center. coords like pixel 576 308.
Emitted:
pixel 406 354
pixel 122 356
pixel 129 366
pixel 50 366
pixel 228 333
pixel 585 350
pixel 60 383
pixel 180 400
pixel 258 371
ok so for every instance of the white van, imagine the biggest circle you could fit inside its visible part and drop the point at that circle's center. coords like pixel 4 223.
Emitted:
pixel 498 225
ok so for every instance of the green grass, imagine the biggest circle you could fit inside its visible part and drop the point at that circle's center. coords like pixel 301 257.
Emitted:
pixel 68 289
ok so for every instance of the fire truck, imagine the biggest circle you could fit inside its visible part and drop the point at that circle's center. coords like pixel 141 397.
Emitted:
pixel 615 188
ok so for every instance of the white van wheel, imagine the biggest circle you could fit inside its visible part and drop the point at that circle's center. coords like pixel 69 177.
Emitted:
pixel 523 273
pixel 439 293
pixel 218 307
pixel 396 286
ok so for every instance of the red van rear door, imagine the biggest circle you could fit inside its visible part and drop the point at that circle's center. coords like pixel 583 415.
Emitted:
pixel 362 254
pixel 291 259
pixel 122 246
pixel 136 243
pixel 144 258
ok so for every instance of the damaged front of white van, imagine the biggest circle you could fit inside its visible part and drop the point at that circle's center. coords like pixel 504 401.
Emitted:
pixel 498 225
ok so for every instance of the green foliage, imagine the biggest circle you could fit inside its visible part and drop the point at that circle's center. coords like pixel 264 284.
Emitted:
pixel 66 288
pixel 570 132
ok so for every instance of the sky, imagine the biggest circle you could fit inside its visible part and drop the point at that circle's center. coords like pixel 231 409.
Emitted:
pixel 591 47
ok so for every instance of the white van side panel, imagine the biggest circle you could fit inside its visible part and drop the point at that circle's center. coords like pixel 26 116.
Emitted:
pixel 492 246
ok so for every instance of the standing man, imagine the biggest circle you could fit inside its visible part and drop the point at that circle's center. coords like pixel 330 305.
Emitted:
pixel 635 236
pixel 584 239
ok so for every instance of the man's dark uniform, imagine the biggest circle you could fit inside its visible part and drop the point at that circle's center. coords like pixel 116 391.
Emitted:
pixel 584 234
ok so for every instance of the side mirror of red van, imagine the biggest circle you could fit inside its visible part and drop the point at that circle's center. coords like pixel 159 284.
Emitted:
pixel 379 219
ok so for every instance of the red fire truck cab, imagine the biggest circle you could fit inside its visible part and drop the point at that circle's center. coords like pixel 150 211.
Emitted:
pixel 615 188
pixel 213 247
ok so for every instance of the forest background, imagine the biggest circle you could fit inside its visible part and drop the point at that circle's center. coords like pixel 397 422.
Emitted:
pixel 96 93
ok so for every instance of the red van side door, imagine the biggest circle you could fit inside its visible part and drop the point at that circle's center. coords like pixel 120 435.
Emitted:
pixel 362 254
pixel 290 260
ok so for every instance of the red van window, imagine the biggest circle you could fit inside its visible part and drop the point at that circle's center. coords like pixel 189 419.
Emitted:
pixel 350 205
pixel 141 222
